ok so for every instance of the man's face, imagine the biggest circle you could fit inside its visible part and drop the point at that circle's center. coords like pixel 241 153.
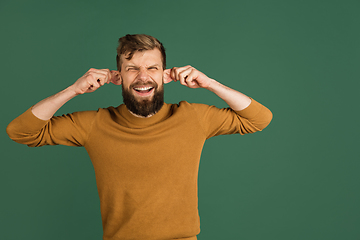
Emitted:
pixel 142 82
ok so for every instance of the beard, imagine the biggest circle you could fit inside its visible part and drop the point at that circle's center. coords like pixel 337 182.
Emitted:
pixel 143 107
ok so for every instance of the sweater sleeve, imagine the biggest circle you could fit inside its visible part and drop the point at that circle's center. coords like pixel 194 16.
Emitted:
pixel 215 121
pixel 71 129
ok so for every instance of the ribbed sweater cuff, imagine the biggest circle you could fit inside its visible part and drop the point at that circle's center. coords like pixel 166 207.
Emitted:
pixel 29 120
pixel 252 110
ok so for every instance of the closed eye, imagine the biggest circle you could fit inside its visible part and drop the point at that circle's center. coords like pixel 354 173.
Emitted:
pixel 131 69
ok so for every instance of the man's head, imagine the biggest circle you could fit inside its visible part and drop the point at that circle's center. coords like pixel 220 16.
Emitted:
pixel 141 62
pixel 130 44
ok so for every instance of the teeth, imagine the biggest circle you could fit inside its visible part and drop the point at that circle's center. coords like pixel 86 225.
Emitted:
pixel 142 88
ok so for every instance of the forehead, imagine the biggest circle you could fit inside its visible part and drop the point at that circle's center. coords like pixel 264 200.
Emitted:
pixel 143 58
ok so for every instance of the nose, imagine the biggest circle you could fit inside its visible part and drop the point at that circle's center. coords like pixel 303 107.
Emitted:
pixel 143 75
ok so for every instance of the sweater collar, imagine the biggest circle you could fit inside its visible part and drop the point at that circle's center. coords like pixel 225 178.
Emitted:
pixel 137 122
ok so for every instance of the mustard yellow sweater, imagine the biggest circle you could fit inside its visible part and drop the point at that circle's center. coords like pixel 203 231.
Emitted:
pixel 146 168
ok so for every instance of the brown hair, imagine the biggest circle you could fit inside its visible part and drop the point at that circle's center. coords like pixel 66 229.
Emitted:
pixel 129 44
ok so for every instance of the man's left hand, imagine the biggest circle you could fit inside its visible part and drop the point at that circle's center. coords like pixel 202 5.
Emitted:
pixel 188 76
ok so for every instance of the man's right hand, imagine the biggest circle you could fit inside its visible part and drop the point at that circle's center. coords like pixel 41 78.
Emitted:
pixel 93 79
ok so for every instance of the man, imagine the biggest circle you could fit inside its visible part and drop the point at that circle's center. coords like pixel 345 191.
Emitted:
pixel 145 152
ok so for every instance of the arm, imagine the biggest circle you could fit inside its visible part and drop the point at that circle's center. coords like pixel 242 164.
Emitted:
pixel 35 127
pixel 89 82
pixel 192 78
pixel 237 101
pixel 253 116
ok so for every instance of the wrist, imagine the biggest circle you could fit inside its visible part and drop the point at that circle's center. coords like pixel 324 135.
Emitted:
pixel 71 91
pixel 211 84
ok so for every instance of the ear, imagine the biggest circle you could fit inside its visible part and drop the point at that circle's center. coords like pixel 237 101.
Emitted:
pixel 167 78
pixel 116 77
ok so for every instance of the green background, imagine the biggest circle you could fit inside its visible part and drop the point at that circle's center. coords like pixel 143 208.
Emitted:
pixel 298 179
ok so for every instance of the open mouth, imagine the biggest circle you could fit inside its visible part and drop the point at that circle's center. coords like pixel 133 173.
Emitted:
pixel 144 90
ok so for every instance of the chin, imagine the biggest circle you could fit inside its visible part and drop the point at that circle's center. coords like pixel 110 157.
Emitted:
pixel 144 106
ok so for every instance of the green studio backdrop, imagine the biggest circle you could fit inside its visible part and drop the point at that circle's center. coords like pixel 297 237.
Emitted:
pixel 297 179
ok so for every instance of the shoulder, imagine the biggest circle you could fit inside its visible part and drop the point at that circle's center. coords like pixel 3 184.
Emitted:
pixel 201 109
pixel 186 108
pixel 186 105
pixel 198 111
pixel 99 111
pixel 89 116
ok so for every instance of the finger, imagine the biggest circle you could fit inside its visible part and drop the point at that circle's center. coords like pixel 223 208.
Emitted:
pixel 191 80
pixel 183 75
pixel 93 86
pixel 101 80
pixel 105 72
pixel 175 71
pixel 95 70
pixel 107 76
pixel 96 80
pixel 173 74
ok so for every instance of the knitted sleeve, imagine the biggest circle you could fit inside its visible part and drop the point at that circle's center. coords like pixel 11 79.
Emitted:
pixel 71 129
pixel 215 121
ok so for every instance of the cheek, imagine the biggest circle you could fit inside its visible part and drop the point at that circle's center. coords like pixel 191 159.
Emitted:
pixel 127 79
pixel 157 77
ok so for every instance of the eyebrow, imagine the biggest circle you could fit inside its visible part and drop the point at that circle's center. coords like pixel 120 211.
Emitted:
pixel 153 65
pixel 130 65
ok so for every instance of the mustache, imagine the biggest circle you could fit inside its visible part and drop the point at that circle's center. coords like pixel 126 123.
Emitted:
pixel 144 83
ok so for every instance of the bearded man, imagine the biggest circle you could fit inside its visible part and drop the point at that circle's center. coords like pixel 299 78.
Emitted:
pixel 145 152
